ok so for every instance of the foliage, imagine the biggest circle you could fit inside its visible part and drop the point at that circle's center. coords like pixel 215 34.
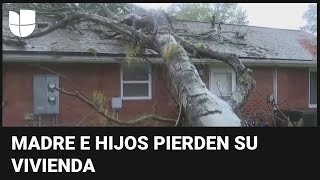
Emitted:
pixel 28 116
pixel 132 50
pixel 99 100
pixel 199 47
pixel 93 51
pixel 247 76
pixel 223 12
pixel 311 17
pixel 173 51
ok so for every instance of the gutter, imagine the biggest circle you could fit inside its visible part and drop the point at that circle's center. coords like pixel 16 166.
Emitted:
pixel 23 58
pixel 19 58
pixel 279 62
pixel 266 62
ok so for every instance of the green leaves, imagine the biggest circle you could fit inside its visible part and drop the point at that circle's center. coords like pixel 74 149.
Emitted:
pixel 99 100
pixel 93 51
pixel 223 12
pixel 132 50
pixel 173 51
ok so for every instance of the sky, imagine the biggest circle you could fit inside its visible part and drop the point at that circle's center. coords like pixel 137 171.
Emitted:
pixel 274 15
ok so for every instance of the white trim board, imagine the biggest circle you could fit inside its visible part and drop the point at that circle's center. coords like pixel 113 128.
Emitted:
pixel 275 85
pixel 91 59
pixel 311 105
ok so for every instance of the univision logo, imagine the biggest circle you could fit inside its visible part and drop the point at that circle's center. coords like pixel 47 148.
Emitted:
pixel 22 25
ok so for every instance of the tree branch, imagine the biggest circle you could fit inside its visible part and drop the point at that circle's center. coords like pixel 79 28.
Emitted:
pixel 108 13
pixel 85 117
pixel 108 117
pixel 66 78
pixel 221 95
pixel 85 99
pixel 179 116
pixel 15 41
pixel 71 17
pixel 122 28
pixel 245 78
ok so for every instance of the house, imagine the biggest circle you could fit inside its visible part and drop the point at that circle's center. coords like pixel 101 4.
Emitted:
pixel 283 62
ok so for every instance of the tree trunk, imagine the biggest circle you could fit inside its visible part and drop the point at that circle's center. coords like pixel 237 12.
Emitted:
pixel 201 107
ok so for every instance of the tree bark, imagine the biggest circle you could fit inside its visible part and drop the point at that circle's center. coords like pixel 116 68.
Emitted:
pixel 201 107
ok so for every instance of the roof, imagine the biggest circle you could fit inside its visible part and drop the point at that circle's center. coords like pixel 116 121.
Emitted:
pixel 245 41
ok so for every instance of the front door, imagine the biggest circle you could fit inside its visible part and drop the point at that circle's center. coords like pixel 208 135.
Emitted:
pixel 222 81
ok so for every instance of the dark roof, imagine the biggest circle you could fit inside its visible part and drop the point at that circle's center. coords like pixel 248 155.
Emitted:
pixel 246 41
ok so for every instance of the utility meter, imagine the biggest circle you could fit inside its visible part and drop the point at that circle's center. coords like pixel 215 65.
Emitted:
pixel 52 98
pixel 51 86
pixel 46 97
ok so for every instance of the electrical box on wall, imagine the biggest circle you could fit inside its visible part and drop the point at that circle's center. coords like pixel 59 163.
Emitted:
pixel 116 103
pixel 45 96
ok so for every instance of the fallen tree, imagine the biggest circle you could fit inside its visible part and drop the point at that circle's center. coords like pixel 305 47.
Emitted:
pixel 153 30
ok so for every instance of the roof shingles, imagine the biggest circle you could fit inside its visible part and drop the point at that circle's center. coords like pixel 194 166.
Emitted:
pixel 258 42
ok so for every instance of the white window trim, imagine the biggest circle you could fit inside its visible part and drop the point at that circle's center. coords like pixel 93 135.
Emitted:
pixel 149 81
pixel 275 85
pixel 311 105
pixel 222 68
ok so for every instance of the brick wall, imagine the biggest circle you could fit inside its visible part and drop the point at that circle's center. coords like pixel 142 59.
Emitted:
pixel 257 100
pixel 293 88
pixel 18 92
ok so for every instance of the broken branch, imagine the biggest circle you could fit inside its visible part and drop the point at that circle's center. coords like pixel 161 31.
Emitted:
pixel 108 117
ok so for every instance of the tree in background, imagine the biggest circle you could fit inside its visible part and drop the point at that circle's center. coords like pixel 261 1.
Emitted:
pixel 311 17
pixel 223 12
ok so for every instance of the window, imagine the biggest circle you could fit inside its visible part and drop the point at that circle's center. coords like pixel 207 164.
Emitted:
pixel 223 81
pixel 312 89
pixel 136 81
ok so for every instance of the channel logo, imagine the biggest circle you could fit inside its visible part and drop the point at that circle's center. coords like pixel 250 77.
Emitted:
pixel 24 24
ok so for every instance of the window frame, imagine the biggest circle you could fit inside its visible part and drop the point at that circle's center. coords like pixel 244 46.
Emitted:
pixel 217 68
pixel 149 81
pixel 309 94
